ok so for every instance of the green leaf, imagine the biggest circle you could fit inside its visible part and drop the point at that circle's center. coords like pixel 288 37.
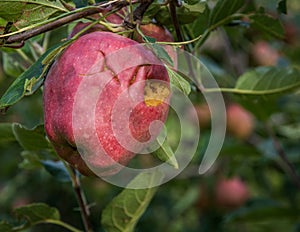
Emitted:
pixel 268 25
pixel 11 64
pixel 261 212
pixel 159 50
pixel 199 26
pixel 164 152
pixel 31 139
pixel 5 227
pixel 30 160
pixel 223 9
pixel 124 211
pixel 31 79
pixel 57 169
pixel 37 213
pixel 178 81
pixel 186 13
pixel 268 80
pixel 25 12
pixel 6 133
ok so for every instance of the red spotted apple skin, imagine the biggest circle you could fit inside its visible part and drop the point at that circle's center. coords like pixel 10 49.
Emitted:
pixel 92 70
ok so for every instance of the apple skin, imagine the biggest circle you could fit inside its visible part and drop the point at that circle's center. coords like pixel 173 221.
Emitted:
pixel 160 33
pixel 86 59
pixel 204 115
pixel 240 122
pixel 231 193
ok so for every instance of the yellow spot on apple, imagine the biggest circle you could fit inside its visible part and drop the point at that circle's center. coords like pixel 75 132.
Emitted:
pixel 155 92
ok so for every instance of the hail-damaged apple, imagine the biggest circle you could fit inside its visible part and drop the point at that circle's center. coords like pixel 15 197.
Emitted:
pixel 129 88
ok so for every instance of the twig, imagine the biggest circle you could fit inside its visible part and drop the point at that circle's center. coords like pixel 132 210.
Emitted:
pixel 138 14
pixel 289 167
pixel 60 22
pixel 172 9
pixel 84 209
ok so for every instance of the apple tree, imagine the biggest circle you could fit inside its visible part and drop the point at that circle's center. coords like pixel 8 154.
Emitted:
pixel 142 115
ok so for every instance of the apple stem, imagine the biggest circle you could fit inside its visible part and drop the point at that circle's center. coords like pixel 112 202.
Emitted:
pixel 288 166
pixel 81 199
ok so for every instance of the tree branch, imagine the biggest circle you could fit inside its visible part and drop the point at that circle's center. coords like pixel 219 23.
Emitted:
pixel 289 167
pixel 84 210
pixel 172 8
pixel 138 13
pixel 60 22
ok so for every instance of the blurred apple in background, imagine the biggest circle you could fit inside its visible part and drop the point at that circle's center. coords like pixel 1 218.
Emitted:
pixel 240 122
pixel 264 54
pixel 231 193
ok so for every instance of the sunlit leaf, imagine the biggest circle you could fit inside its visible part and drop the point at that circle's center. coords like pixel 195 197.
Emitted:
pixel 31 79
pixel 25 12
pixel 165 153
pixel 179 82
pixel 124 211
pixel 268 80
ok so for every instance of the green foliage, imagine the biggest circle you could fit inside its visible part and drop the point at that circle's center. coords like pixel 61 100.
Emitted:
pixel 261 211
pixel 26 12
pixel 267 25
pixel 188 13
pixel 31 139
pixel 37 213
pixel 32 215
pixel 124 211
pixel 179 82
pixel 164 152
pixel 6 133
pixel 30 80
pixel 224 35
pixel 223 9
pixel 268 80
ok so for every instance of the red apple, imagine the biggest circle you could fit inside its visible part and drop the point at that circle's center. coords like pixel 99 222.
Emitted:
pixel 115 18
pixel 240 122
pixel 92 70
pixel 231 193
pixel 203 113
pixel 264 54
pixel 157 32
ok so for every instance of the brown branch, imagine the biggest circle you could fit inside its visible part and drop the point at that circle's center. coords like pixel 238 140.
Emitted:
pixel 60 22
pixel 138 14
pixel 289 167
pixel 141 9
pixel 84 209
pixel 172 8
